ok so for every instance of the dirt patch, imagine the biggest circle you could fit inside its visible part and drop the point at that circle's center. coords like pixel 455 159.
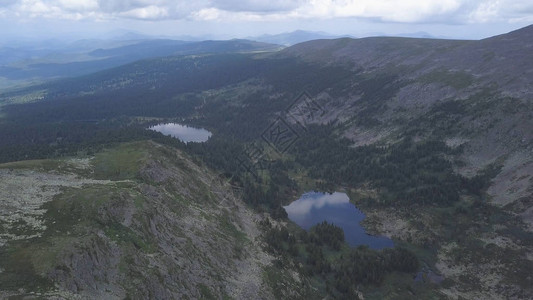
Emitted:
pixel 514 181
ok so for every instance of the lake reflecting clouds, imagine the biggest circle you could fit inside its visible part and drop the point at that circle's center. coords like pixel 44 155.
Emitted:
pixel 314 207
pixel 310 201
pixel 184 133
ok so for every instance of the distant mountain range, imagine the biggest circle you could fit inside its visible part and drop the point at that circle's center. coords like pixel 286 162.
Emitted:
pixel 300 36
pixel 37 62
pixel 295 37
pixel 23 62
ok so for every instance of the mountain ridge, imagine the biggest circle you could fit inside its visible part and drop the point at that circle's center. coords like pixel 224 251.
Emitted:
pixel 153 224
pixel 86 61
pixel 455 72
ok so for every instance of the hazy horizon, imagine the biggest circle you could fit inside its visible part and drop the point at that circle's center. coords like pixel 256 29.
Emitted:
pixel 89 19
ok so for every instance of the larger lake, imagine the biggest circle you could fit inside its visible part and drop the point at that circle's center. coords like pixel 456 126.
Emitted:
pixel 314 207
pixel 182 132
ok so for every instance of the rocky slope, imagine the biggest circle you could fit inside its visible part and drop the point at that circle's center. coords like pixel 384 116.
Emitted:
pixel 137 221
pixel 471 93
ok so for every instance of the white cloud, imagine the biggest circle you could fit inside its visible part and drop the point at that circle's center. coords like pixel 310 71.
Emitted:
pixel 35 8
pixel 502 10
pixel 312 201
pixel 58 9
pixel 485 12
pixel 405 11
pixel 386 10
pixel 78 5
pixel 207 14
pixel 151 12
pixel 258 6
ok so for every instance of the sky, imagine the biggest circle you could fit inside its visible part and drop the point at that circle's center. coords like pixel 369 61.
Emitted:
pixel 223 19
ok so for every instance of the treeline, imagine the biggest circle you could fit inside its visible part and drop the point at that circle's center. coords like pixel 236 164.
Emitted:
pixel 264 186
pixel 58 139
pixel 146 88
pixel 74 110
pixel 404 173
pixel 323 255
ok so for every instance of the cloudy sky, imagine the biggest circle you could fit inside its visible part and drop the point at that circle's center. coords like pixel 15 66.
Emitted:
pixel 241 18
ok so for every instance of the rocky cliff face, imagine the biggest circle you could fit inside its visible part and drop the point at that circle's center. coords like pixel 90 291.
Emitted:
pixel 138 221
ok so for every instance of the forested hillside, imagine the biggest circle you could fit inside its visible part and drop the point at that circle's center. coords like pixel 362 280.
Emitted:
pixel 22 66
pixel 431 138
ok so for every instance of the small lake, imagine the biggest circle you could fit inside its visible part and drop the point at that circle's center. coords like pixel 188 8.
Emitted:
pixel 184 133
pixel 314 207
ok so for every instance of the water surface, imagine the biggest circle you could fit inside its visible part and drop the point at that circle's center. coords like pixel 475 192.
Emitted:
pixel 314 207
pixel 183 132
